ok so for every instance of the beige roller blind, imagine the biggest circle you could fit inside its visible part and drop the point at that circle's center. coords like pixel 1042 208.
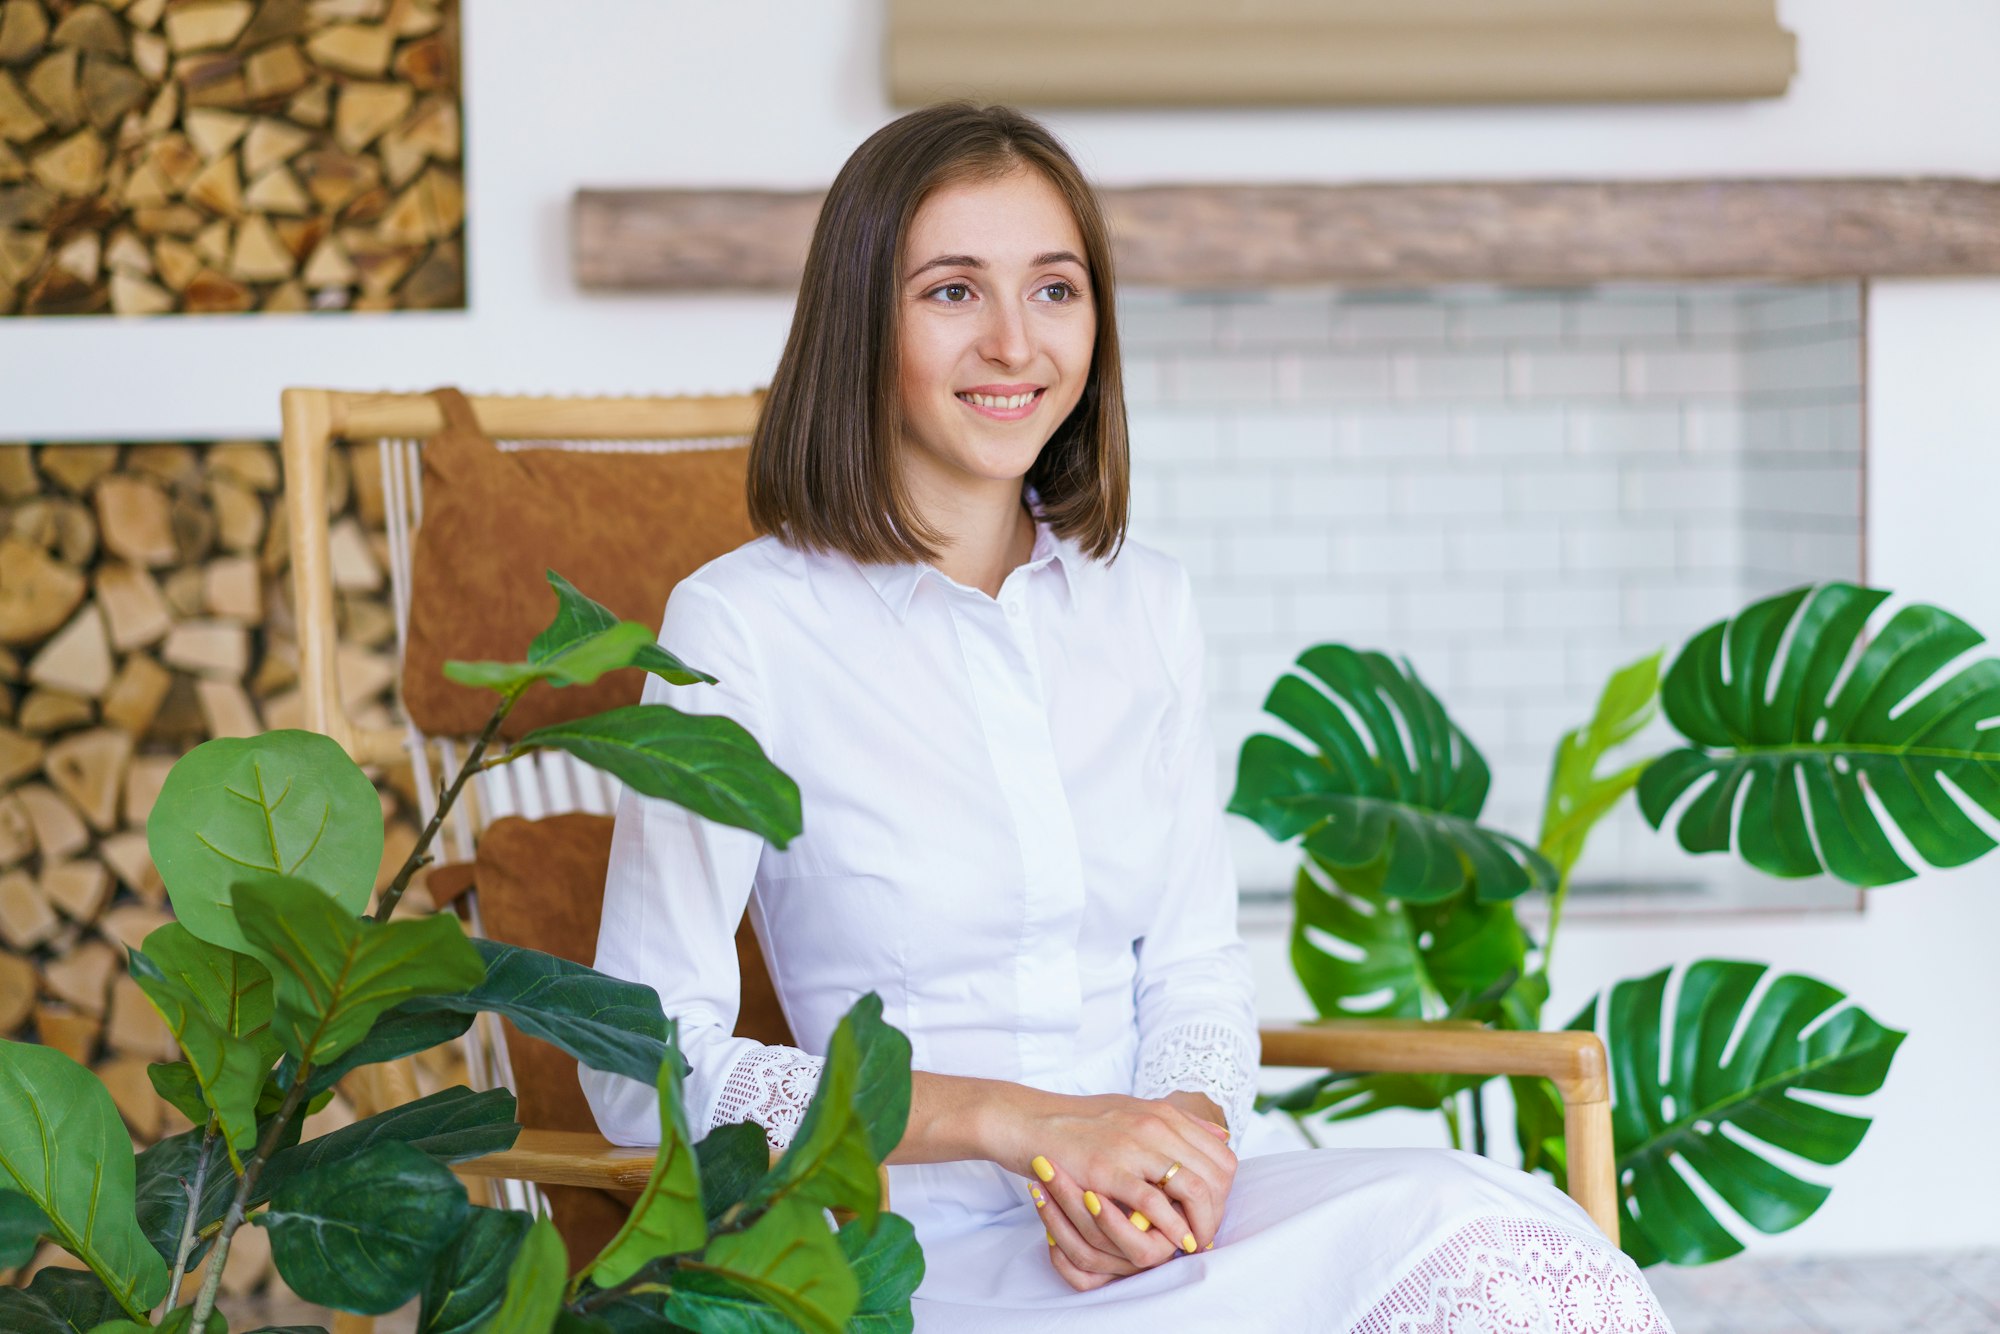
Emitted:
pixel 1334 52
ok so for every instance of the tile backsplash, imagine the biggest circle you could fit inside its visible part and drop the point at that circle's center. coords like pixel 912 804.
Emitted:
pixel 1519 489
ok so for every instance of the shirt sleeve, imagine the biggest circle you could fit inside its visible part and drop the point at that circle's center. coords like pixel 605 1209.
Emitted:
pixel 1195 994
pixel 673 897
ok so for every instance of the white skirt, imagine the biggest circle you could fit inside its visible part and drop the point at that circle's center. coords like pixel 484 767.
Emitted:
pixel 1349 1241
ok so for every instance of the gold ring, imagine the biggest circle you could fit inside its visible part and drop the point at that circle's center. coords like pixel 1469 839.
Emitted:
pixel 1170 1174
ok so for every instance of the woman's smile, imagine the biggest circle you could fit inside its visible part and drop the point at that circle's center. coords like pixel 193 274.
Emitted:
pixel 1001 406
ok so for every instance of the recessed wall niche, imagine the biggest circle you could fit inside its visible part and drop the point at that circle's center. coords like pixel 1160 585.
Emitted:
pixel 230 156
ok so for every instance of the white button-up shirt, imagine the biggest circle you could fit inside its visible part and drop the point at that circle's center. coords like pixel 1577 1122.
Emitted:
pixel 1012 832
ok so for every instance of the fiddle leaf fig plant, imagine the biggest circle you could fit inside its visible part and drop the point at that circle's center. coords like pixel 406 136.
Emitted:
pixel 1401 913
pixel 276 983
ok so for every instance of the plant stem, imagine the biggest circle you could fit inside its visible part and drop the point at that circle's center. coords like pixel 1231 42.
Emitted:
pixel 1478 1092
pixel 245 1185
pixel 194 1191
pixel 419 854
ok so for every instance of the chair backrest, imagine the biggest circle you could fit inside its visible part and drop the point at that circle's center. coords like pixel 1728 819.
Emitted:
pixel 500 501
pixel 400 423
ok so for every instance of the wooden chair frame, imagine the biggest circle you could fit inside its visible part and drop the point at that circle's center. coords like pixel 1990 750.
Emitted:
pixel 315 418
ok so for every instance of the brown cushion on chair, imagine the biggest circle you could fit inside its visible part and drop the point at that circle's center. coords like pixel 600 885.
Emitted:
pixel 540 883
pixel 623 527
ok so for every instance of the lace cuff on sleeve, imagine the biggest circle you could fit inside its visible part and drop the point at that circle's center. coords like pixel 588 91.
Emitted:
pixel 771 1086
pixel 1215 1060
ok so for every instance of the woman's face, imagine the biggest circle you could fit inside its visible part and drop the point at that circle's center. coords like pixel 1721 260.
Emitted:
pixel 998 322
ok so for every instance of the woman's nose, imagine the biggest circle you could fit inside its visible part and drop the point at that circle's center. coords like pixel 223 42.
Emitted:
pixel 1005 339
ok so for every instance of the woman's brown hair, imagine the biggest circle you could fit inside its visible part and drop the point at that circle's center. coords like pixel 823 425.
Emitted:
pixel 823 471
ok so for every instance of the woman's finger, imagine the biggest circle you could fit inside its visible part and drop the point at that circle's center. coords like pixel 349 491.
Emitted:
pixel 1084 1242
pixel 1079 1279
pixel 1200 1203
pixel 1158 1217
pixel 1147 1244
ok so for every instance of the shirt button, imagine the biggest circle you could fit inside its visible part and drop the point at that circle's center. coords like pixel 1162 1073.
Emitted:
pixel 1014 610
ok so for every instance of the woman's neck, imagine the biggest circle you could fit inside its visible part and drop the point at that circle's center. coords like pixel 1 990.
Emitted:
pixel 984 541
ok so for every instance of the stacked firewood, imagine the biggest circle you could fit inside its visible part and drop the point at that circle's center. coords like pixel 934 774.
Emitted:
pixel 229 155
pixel 146 606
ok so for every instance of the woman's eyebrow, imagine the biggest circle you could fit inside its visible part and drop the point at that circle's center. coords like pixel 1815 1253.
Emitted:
pixel 974 262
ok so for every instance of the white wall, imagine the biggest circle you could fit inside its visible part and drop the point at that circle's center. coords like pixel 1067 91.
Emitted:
pixel 764 93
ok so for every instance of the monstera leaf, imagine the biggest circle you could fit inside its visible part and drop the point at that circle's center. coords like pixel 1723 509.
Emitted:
pixel 1755 697
pixel 1408 794
pixel 1733 1067
pixel 1578 796
pixel 1361 954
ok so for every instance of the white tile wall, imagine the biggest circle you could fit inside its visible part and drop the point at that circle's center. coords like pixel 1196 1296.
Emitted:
pixel 1519 490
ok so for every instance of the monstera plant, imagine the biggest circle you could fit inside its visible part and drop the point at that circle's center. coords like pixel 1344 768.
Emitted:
pixel 276 985
pixel 1791 717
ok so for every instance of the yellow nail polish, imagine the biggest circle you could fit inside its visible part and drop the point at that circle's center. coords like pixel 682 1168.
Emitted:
pixel 1187 1243
pixel 1140 1220
pixel 1090 1203
pixel 1051 1236
pixel 1042 1168
pixel 1040 1199
pixel 1209 1247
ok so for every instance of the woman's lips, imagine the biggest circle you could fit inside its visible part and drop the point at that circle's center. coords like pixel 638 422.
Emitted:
pixel 1006 414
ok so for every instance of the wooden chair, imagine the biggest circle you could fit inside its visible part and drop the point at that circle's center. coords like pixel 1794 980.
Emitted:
pixel 574 1154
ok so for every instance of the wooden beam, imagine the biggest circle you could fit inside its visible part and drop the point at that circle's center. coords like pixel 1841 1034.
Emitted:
pixel 1253 236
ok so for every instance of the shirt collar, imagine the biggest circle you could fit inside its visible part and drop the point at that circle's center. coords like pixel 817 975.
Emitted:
pixel 898 583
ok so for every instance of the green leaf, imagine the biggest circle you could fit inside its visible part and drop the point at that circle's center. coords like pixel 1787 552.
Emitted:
pixel 22 1224
pixel 605 1022
pixel 228 1070
pixel 1745 1088
pixel 58 1301
pixel 788 1260
pixel 855 1119
pixel 1361 954
pixel 287 802
pixel 63 1146
pixel 732 1160
pixel 360 1233
pixel 233 988
pixel 535 1282
pixel 668 1218
pixel 449 1126
pixel 1407 796
pixel 888 1264
pixel 583 642
pixel 179 1321
pixel 706 763
pixel 397 1034
pixel 336 973
pixel 465 1287
pixel 1750 695
pixel 164 1174
pixel 1577 797
pixel 175 1082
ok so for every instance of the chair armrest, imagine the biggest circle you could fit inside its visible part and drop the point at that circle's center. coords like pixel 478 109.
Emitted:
pixel 580 1158
pixel 566 1158
pixel 1573 1062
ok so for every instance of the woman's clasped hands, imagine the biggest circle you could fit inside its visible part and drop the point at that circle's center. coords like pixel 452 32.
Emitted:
pixel 1128 1183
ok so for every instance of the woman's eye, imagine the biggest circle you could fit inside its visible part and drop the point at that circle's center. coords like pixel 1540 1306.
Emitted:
pixel 1069 293
pixel 953 287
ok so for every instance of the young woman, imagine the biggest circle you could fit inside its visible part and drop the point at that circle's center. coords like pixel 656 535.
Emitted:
pixel 993 706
